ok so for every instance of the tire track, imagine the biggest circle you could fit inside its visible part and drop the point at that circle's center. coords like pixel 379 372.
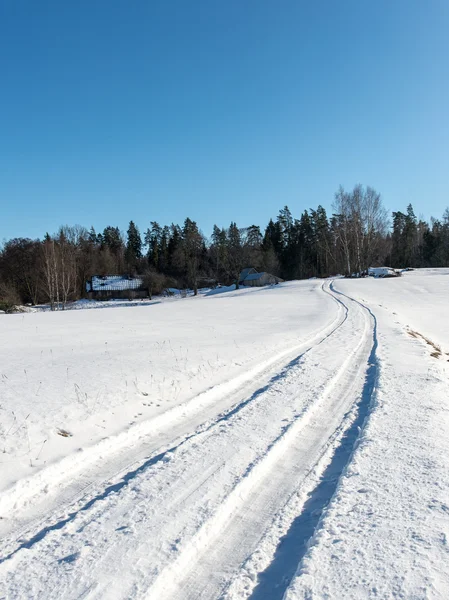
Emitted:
pixel 230 482
pixel 268 572
pixel 177 580
pixel 81 501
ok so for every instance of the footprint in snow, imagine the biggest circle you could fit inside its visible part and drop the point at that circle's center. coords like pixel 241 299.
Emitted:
pixel 123 529
pixel 70 558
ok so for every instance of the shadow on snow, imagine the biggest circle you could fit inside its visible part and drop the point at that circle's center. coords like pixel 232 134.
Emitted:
pixel 165 455
pixel 292 547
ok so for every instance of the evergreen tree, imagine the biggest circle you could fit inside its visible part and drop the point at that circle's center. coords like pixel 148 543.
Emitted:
pixel 176 263
pixel 163 249
pixel 234 254
pixel 397 249
pixel 193 244
pixel 219 250
pixel 112 239
pixel 253 236
pixel 92 236
pixel 354 238
pixel 252 247
pixel 306 246
pixel 133 246
pixel 323 240
pixel 273 236
pixel 153 238
pixel 409 237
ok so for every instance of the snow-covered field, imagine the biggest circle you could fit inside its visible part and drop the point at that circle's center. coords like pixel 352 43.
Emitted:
pixel 264 443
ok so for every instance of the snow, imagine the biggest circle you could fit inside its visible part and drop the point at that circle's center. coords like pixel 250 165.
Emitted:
pixel 112 303
pixel 98 374
pixel 418 299
pixel 382 272
pixel 385 532
pixel 266 443
pixel 114 283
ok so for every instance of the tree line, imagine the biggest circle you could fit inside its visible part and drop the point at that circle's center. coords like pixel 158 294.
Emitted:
pixel 358 234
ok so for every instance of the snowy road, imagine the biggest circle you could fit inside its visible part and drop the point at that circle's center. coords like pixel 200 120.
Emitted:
pixel 202 498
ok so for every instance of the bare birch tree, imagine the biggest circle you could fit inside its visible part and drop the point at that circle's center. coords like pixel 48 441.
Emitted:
pixel 50 272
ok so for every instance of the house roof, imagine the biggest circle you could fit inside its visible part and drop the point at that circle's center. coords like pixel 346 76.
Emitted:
pixel 113 283
pixel 248 271
pixel 264 274
pixel 254 276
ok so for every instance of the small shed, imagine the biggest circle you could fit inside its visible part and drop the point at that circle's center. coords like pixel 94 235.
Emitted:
pixel 251 278
pixel 115 286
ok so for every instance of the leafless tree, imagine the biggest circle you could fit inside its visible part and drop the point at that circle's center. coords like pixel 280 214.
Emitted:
pixel 361 225
pixel 375 221
pixel 50 272
pixel 154 282
pixel 67 248
pixel 342 209
pixel 9 298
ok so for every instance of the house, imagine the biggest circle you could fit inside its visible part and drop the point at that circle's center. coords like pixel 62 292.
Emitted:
pixel 244 274
pixel 249 277
pixel 115 286
pixel 382 272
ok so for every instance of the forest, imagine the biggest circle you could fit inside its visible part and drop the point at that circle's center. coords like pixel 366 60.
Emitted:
pixel 359 233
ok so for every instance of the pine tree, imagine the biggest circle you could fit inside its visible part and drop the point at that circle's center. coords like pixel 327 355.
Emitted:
pixel 409 237
pixel 234 253
pixel 323 241
pixel 153 241
pixel 193 244
pixel 133 246
pixel 112 239
pixel 219 250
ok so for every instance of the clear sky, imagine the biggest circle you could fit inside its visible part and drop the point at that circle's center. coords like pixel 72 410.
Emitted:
pixel 217 110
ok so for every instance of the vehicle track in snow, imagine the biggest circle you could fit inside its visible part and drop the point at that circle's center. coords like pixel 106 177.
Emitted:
pixel 283 496
pixel 36 505
pixel 268 571
pixel 200 508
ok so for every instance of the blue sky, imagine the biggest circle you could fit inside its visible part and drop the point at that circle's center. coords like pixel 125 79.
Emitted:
pixel 117 110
